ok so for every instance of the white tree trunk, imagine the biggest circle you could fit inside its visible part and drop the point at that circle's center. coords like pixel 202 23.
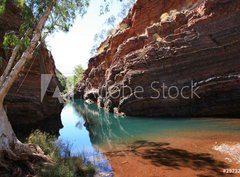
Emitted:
pixel 11 149
pixel 7 135
pixel 9 143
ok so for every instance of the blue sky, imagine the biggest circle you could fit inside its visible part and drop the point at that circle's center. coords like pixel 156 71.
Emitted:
pixel 73 48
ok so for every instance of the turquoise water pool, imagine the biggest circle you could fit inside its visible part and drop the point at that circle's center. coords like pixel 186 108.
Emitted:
pixel 89 128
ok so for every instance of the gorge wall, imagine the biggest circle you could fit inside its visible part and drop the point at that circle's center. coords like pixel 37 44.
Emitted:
pixel 178 43
pixel 23 103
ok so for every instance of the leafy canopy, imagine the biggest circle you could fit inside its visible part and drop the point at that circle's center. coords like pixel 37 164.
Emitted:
pixel 78 73
pixel 63 14
pixel 2 6
pixel 68 83
pixel 61 18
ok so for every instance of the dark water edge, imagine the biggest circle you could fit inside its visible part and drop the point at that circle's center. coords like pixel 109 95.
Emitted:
pixel 50 126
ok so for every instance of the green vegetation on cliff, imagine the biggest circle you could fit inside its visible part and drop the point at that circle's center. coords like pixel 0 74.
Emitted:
pixel 69 83
pixel 77 76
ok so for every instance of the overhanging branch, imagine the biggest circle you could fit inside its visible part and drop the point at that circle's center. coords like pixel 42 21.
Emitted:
pixel 12 59
pixel 27 55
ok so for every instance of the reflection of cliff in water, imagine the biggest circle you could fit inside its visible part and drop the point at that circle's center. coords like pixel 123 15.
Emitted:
pixel 103 127
pixel 107 129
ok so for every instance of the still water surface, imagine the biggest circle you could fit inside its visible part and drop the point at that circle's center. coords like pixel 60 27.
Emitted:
pixel 90 129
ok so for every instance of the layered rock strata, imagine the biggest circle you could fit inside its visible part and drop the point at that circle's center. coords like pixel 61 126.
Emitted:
pixel 170 58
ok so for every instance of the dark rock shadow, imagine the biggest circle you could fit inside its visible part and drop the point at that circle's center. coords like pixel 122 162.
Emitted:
pixel 161 154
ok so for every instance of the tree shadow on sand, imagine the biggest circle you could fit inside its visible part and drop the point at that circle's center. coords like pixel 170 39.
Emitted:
pixel 161 154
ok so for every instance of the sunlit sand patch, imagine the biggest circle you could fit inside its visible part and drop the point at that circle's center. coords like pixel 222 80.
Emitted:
pixel 232 150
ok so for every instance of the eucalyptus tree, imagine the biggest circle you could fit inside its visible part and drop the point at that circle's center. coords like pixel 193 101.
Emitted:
pixel 39 18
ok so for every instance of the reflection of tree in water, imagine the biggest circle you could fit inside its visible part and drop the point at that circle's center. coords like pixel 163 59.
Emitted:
pixel 103 127
pixel 79 124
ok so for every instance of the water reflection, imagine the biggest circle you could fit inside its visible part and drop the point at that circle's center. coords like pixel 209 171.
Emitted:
pixel 89 128
pixel 106 129
pixel 75 133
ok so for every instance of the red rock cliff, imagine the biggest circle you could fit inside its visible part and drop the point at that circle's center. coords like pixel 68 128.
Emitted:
pixel 23 102
pixel 183 44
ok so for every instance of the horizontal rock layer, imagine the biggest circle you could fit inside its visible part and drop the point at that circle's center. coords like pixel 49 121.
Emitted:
pixel 177 43
pixel 23 102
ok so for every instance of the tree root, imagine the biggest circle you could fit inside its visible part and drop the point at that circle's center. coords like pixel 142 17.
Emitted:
pixel 3 165
pixel 22 160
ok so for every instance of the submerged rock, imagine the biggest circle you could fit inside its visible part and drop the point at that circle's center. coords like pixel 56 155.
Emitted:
pixel 189 47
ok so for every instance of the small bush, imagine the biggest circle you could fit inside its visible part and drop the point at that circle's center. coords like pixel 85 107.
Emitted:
pixel 71 167
pixel 65 165
pixel 45 141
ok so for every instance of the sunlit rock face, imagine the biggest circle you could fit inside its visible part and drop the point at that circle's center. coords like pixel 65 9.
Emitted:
pixel 23 103
pixel 187 45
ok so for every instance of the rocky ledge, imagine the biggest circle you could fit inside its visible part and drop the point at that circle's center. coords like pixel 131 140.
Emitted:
pixel 23 103
pixel 170 58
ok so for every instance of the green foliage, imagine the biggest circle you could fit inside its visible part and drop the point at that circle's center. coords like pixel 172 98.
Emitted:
pixel 2 6
pixel 45 141
pixel 11 40
pixel 72 167
pixel 65 11
pixel 73 80
pixel 78 74
pixel 61 18
pixel 68 83
pixel 62 79
pixel 19 3
pixel 65 165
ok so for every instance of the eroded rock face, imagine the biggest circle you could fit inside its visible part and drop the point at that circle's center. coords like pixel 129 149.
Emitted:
pixel 23 103
pixel 190 46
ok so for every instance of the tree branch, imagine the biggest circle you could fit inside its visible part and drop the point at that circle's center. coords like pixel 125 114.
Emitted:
pixel 12 59
pixel 27 55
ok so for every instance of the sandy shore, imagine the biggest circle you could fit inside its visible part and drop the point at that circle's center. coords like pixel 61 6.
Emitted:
pixel 187 155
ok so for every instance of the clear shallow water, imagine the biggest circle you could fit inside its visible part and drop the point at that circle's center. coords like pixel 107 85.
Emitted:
pixel 88 128
pixel 75 133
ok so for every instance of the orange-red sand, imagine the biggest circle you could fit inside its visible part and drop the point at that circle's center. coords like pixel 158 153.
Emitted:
pixel 186 155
